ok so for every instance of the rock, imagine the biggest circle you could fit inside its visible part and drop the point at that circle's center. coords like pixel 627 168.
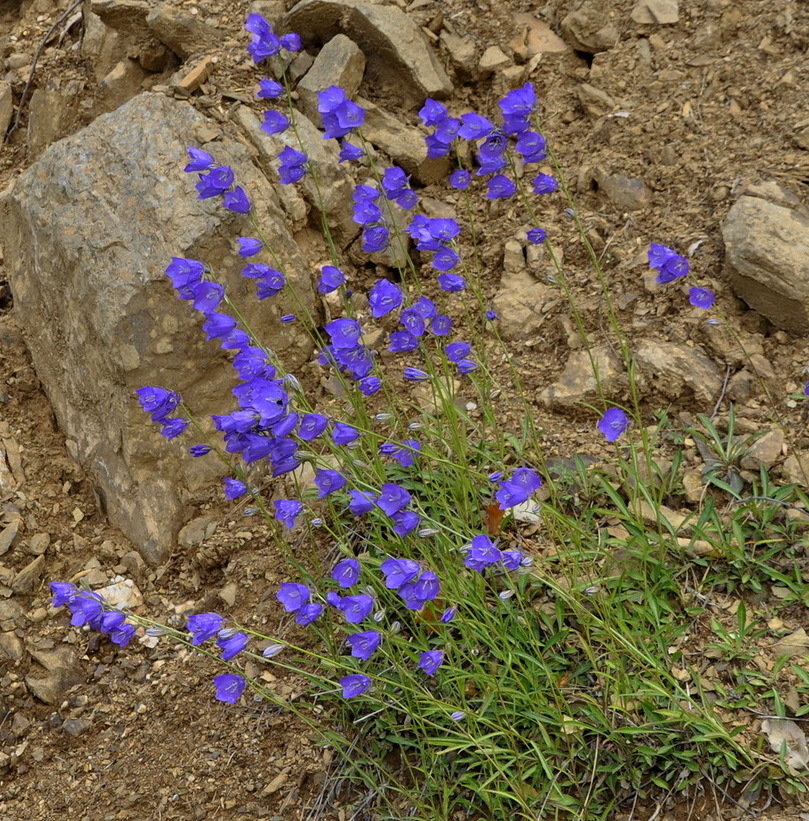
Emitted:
pixel 6 106
pixel 462 52
pixel 539 37
pixel 11 614
pixel 796 469
pixel 493 59
pixel 577 383
pixel 735 347
pixel 518 305
pixel 185 34
pixel 765 451
pixel 191 79
pixel 61 672
pixel 334 181
pixel 88 231
pixel 656 12
pixel 693 486
pixel 397 51
pixel 741 385
pixel 595 102
pixel 39 543
pixel 340 63
pixel 11 647
pixel 26 581
pixel 513 257
pixel 154 56
pixel 772 191
pixel 589 30
pixel 801 137
pixel 122 595
pixel 126 16
pixel 52 111
pixel 766 248
pixel 102 47
pixel 671 520
pixel 76 726
pixel 627 193
pixel 671 367
pixel 7 536
pixel 228 594
pixel 271 10
pixel 196 531
pixel 121 84
pixel 795 644
pixel 403 144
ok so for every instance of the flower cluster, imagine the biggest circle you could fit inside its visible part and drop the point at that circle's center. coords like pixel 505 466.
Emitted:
pixel 215 181
pixel 491 142
pixel 483 553
pixel 368 214
pixel 265 42
pixel 671 266
pixel 414 586
pixel 90 608
pixel 159 403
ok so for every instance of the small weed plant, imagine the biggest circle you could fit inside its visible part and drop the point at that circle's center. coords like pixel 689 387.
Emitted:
pixel 461 668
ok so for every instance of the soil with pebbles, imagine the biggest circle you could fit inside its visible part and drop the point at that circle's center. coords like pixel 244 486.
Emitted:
pixel 700 109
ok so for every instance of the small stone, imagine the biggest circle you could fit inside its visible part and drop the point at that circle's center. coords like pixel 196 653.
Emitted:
pixel 513 257
pixel 766 248
pixel 577 383
pixel 195 532
pixel 196 75
pixel 6 106
pixel 796 469
pixel 765 451
pixel 228 594
pixel 11 646
pixel 589 30
pixel 341 63
pixel 493 59
pixel 773 192
pixel 673 368
pixel 39 543
pixel 123 594
pixel 519 304
pixel 76 726
pixel 403 144
pixel 795 644
pixel 63 672
pixel 27 580
pixel 185 34
pixel 627 193
pixel 396 49
pixel 276 784
pixel 540 37
pixel 596 102
pixel 656 12
pixel 7 536
pixel 693 486
pixel 462 52
pixel 122 83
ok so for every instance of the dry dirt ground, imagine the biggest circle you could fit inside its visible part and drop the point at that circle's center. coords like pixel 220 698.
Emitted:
pixel 712 103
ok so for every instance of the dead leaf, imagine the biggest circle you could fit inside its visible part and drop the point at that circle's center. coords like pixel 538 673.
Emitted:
pixel 783 731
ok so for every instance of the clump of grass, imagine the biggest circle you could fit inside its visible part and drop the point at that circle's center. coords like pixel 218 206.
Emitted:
pixel 490 639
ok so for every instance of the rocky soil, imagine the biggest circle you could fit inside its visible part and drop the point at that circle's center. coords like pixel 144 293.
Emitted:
pixel 679 123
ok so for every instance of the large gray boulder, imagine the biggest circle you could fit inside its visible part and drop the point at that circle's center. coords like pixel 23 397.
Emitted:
pixel 767 260
pixel 88 231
